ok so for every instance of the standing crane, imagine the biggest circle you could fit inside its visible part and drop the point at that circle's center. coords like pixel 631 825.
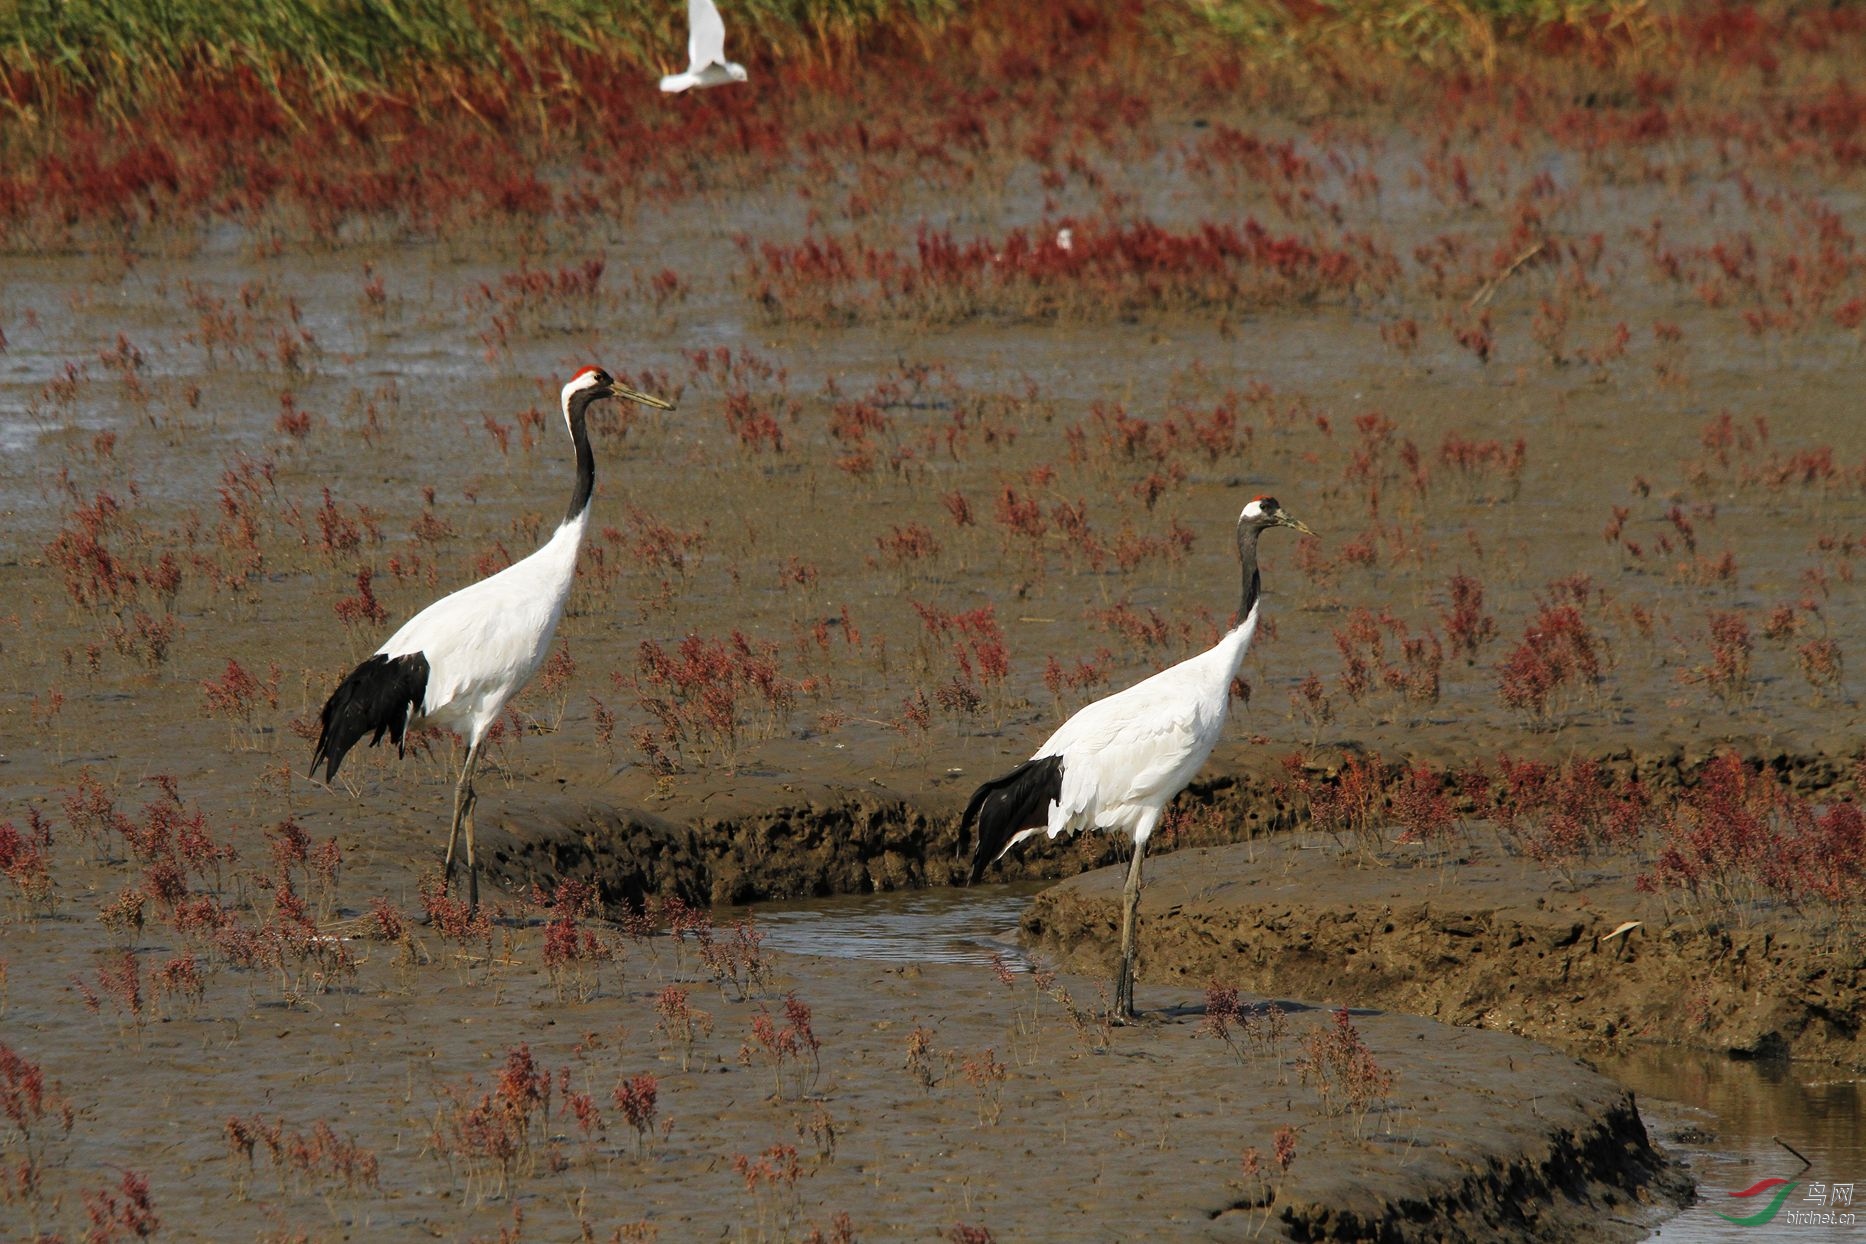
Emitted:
pixel 459 661
pixel 1117 763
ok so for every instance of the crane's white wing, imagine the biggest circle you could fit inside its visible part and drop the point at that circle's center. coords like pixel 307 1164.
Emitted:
pixel 1134 749
pixel 706 35
pixel 484 642
pixel 482 646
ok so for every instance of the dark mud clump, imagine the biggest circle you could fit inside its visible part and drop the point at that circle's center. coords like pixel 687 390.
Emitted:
pixel 773 840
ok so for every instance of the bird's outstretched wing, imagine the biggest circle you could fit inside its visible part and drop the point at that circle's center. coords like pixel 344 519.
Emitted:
pixel 706 35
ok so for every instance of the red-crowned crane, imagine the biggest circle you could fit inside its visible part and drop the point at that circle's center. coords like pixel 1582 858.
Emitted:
pixel 706 51
pixel 457 662
pixel 1116 764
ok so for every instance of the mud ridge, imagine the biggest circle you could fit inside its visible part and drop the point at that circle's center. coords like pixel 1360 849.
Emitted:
pixel 1500 945
pixel 1580 1182
pixel 774 838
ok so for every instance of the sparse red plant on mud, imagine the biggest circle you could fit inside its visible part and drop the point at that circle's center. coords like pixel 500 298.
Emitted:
pixel 1342 1069
pixel 905 546
pixel 1820 662
pixel 26 861
pixel 1739 838
pixel 452 918
pixel 125 1212
pixel 319 1160
pixel 696 693
pixel 680 1023
pixel 500 1132
pixel 37 1113
pixel 1467 627
pixel 1422 806
pixel 1559 815
pixel 1117 267
pixel 1558 650
pixel 1491 470
pixel 636 1099
pixel 1223 1014
pixel 792 1049
pixel 572 951
pixel 1353 799
pixel 361 611
pixel 1413 679
pixel 236 694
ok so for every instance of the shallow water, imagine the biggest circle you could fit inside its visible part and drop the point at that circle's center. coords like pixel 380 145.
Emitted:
pixel 1719 1116
pixel 1723 1118
pixel 903 926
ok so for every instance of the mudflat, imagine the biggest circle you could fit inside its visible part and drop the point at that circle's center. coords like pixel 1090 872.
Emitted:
pixel 1566 379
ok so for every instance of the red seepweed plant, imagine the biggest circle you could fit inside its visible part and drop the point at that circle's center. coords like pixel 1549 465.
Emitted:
pixel 679 1023
pixel 1343 1070
pixel 1739 841
pixel 792 1049
pixel 236 695
pixel 573 953
pixel 700 692
pixel 1467 627
pixel 1558 652
pixel 319 1161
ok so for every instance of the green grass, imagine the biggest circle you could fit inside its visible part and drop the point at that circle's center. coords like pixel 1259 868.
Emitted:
pixel 123 48
pixel 122 54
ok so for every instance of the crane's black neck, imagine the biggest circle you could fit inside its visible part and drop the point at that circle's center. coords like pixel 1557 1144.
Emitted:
pixel 1247 563
pixel 586 459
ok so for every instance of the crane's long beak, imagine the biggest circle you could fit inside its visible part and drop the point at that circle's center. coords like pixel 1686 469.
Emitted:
pixel 634 395
pixel 1286 521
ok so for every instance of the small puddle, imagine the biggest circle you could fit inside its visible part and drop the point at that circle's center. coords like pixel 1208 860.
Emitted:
pixel 1719 1116
pixel 903 926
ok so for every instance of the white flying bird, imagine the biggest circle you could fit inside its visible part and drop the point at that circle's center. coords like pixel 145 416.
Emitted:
pixel 706 51
pixel 1118 762
pixel 457 662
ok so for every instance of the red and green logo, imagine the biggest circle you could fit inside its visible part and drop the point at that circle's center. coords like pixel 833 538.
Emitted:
pixel 1782 1186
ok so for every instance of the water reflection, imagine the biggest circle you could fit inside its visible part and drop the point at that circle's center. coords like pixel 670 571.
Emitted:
pixel 1722 1118
pixel 902 926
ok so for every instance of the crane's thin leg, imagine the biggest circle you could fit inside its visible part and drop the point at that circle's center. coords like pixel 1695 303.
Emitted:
pixel 472 859
pixel 1130 936
pixel 464 798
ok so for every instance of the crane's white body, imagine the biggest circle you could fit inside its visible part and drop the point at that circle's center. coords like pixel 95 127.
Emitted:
pixel 1116 764
pixel 1127 755
pixel 490 638
pixel 459 661
pixel 706 51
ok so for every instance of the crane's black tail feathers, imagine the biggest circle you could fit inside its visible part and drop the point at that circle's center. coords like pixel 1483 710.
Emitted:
pixel 381 694
pixel 1003 809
